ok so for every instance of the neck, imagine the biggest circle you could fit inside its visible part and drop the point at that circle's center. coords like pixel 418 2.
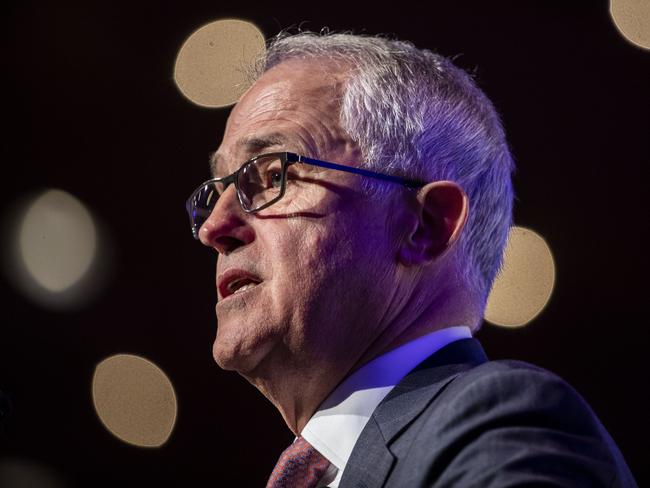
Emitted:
pixel 301 389
pixel 417 319
pixel 298 385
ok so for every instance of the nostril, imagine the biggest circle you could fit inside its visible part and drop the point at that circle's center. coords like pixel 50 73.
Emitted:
pixel 227 244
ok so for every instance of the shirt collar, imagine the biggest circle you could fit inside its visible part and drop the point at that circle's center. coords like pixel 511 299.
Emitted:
pixel 337 424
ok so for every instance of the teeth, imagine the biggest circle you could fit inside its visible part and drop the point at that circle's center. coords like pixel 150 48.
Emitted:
pixel 245 287
pixel 235 284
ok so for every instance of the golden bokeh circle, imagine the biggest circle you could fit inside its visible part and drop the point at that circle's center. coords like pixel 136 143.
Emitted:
pixel 213 66
pixel 57 240
pixel 525 283
pixel 632 19
pixel 134 399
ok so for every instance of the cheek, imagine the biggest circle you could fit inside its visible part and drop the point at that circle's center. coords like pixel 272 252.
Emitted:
pixel 312 257
pixel 324 248
pixel 302 198
pixel 303 252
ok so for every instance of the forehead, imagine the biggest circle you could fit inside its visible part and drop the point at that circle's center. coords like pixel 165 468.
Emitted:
pixel 293 85
pixel 293 106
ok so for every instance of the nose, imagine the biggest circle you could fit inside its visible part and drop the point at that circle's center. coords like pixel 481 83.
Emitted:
pixel 228 227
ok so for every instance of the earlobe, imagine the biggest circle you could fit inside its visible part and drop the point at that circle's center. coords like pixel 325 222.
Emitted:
pixel 442 207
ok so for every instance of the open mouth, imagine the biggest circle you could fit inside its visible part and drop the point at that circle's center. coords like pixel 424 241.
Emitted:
pixel 239 286
pixel 236 281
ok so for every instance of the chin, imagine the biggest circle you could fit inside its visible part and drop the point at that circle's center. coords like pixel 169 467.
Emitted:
pixel 235 356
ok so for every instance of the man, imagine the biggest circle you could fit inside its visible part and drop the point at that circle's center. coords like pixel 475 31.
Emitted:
pixel 357 247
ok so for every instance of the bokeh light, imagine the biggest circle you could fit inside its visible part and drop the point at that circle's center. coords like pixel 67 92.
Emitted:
pixel 525 284
pixel 22 473
pixel 55 251
pixel 57 240
pixel 213 66
pixel 632 19
pixel 134 399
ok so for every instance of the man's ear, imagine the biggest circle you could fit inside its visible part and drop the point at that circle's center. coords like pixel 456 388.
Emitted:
pixel 442 208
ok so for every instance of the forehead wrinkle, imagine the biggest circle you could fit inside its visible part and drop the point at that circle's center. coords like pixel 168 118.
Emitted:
pixel 310 126
pixel 320 122
pixel 311 141
pixel 252 145
pixel 255 143
pixel 308 117
pixel 307 111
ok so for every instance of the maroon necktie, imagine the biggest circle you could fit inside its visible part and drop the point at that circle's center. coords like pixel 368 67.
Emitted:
pixel 299 466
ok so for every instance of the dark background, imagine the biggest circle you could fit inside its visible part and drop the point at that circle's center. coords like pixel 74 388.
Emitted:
pixel 90 107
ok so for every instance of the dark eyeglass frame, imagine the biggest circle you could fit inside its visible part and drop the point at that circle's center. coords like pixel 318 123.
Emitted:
pixel 287 159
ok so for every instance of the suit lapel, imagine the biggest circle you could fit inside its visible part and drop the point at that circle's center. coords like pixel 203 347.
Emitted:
pixel 371 460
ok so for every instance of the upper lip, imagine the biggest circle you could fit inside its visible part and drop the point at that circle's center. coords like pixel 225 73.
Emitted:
pixel 226 279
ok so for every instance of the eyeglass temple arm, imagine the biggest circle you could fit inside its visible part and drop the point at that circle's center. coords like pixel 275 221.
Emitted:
pixel 350 169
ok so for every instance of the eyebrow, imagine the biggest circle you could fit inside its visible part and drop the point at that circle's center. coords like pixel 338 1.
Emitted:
pixel 251 146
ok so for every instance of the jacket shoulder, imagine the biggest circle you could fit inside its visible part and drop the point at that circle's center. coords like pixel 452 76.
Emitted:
pixel 509 422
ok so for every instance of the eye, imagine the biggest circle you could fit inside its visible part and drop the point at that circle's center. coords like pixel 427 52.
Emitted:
pixel 273 177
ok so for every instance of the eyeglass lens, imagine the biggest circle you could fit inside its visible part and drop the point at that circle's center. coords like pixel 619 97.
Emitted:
pixel 203 202
pixel 259 181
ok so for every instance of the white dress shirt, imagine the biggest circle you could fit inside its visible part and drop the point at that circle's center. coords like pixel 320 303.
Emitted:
pixel 337 424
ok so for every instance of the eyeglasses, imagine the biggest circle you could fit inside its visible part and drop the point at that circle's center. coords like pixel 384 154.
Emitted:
pixel 261 181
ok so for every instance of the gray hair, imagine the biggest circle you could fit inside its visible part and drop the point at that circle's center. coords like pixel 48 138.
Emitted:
pixel 414 113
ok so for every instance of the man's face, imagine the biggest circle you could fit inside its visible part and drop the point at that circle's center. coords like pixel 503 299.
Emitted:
pixel 319 263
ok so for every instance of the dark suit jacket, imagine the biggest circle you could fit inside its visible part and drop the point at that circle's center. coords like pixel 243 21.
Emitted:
pixel 463 421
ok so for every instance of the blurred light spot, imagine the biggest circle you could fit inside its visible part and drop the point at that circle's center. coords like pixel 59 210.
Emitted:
pixel 213 65
pixel 52 249
pixel 524 285
pixel 21 473
pixel 134 399
pixel 57 240
pixel 632 19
